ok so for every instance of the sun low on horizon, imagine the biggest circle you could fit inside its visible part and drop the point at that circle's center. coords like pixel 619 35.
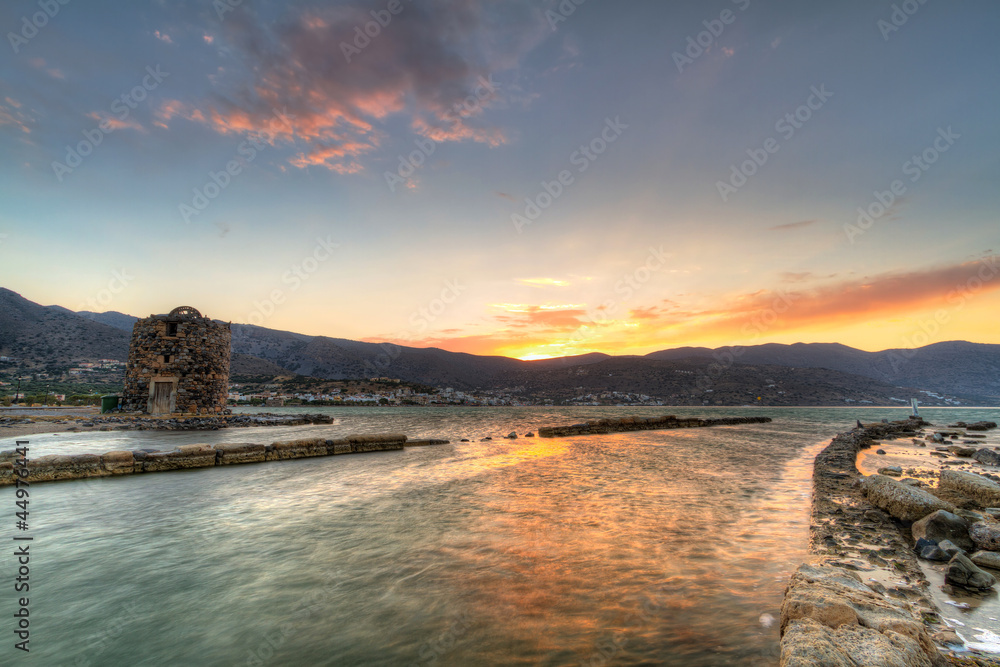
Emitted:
pixel 510 179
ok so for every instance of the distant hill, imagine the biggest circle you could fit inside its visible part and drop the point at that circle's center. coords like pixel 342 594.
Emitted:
pixel 54 335
pixel 800 374
pixel 955 367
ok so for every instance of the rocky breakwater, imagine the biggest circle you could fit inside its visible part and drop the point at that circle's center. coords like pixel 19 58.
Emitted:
pixel 864 600
pixel 139 423
pixel 83 466
pixel 642 424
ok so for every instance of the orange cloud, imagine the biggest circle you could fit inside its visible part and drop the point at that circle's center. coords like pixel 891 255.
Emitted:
pixel 335 96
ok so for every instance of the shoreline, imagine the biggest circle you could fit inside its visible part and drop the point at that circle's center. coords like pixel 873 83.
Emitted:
pixel 863 596
pixel 12 427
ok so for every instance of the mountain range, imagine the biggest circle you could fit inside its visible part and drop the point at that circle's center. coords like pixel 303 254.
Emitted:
pixel 814 373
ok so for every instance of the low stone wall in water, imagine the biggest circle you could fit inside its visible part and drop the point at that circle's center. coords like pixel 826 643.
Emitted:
pixel 642 424
pixel 79 466
pixel 863 599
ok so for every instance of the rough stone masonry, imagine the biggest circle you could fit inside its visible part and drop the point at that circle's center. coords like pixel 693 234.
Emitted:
pixel 178 363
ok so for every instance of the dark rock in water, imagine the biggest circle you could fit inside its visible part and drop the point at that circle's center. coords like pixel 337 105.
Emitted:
pixel 485 439
pixel 987 456
pixel 963 572
pixel 464 440
pixel 512 436
pixel 933 552
pixel 529 435
pixel 962 451
pixel 943 525
pixel 880 451
pixel 950 548
pixel 892 471
pixel 981 426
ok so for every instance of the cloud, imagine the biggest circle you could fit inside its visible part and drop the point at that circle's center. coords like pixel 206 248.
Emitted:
pixel 432 64
pixel 505 195
pixel 796 277
pixel 543 282
pixel 12 113
pixel 115 123
pixel 163 37
pixel 792 225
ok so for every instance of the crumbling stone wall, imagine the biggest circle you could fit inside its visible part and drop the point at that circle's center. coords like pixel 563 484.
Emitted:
pixel 178 363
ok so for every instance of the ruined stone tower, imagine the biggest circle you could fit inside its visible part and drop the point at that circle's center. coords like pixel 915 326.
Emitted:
pixel 177 363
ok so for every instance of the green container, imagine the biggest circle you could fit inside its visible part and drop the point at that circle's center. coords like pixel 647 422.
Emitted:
pixel 108 403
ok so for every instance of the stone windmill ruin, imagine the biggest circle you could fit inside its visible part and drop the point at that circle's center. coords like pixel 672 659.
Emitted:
pixel 178 363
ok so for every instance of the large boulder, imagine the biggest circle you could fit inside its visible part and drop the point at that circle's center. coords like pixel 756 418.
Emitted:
pixel 984 491
pixel 990 559
pixel 907 503
pixel 986 535
pixel 990 457
pixel 943 525
pixel 829 617
pixel 963 572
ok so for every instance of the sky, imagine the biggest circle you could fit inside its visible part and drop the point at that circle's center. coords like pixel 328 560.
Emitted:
pixel 528 179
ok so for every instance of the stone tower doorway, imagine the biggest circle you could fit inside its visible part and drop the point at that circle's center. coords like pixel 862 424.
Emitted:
pixel 163 396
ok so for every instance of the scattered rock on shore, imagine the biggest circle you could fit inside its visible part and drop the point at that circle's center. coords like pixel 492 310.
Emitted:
pixel 943 525
pixel 990 559
pixel 987 456
pixel 986 536
pixel 963 572
pixel 904 502
pixel 984 491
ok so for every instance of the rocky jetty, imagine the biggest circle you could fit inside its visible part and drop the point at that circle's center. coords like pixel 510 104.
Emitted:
pixel 140 423
pixel 82 466
pixel 830 616
pixel 863 598
pixel 642 424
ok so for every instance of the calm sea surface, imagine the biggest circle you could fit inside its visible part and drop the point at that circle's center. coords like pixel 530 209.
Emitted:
pixel 652 548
